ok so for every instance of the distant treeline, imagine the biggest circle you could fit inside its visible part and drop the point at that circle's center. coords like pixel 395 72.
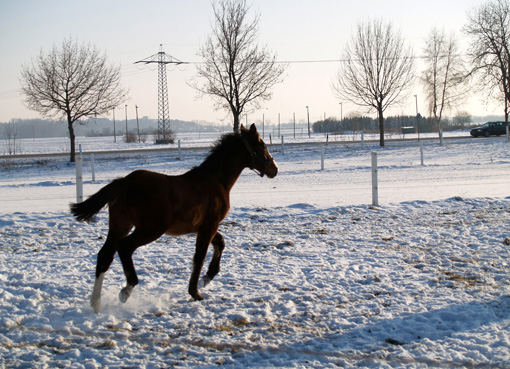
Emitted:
pixel 43 128
pixel 393 124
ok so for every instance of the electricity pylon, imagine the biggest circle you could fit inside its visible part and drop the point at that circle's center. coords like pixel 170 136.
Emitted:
pixel 162 59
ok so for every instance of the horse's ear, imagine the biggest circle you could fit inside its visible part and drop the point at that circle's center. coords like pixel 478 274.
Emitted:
pixel 242 129
pixel 253 128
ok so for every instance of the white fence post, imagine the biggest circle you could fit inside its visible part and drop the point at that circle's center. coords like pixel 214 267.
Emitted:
pixel 179 149
pixel 79 177
pixel 362 138
pixel 283 145
pixel 421 153
pixel 322 158
pixel 93 167
pixel 375 188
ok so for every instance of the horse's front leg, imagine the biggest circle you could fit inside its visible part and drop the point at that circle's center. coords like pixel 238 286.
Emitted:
pixel 214 266
pixel 203 240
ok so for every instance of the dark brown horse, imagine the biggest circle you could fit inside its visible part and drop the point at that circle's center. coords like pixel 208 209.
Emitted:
pixel 154 204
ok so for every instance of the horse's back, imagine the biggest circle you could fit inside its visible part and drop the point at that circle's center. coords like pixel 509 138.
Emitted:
pixel 174 204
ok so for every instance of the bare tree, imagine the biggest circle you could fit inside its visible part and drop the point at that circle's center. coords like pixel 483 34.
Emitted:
pixel 11 134
pixel 462 119
pixel 489 28
pixel 73 81
pixel 444 76
pixel 236 72
pixel 377 69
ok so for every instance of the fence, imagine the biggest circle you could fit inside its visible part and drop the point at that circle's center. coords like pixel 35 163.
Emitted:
pixel 374 168
pixel 338 181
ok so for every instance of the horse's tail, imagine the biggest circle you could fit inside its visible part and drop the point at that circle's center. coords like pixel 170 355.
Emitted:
pixel 84 211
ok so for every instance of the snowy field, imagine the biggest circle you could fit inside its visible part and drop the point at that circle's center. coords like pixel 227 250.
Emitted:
pixel 312 275
pixel 193 139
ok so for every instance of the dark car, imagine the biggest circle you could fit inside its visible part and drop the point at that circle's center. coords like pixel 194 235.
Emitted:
pixel 489 129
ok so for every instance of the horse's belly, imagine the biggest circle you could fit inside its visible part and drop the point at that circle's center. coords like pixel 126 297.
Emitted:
pixel 180 229
pixel 185 223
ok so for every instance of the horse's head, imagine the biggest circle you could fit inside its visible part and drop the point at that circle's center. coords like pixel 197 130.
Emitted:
pixel 260 160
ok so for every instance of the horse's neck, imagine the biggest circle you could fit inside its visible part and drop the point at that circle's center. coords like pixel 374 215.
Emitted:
pixel 225 169
pixel 230 172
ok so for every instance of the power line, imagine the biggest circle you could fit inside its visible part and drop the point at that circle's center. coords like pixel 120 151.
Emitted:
pixel 341 60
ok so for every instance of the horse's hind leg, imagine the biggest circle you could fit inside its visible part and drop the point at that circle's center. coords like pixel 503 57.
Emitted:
pixel 126 249
pixel 214 266
pixel 104 260
pixel 118 229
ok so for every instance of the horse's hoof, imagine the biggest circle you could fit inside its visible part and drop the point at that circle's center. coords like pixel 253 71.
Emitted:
pixel 196 296
pixel 96 304
pixel 125 293
pixel 95 299
pixel 205 281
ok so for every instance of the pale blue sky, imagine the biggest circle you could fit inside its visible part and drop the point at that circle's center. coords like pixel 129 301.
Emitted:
pixel 294 29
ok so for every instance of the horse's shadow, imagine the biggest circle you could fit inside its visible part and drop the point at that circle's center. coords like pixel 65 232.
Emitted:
pixel 379 341
pixel 434 325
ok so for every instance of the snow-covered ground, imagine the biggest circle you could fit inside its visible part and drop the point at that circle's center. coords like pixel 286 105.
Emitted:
pixel 312 275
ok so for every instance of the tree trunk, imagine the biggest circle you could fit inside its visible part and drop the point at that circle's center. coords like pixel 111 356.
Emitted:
pixel 236 121
pixel 72 139
pixel 437 120
pixel 507 128
pixel 506 111
pixel 381 126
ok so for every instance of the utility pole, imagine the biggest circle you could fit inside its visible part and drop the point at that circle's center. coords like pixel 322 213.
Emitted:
pixel 125 111
pixel 417 118
pixel 279 134
pixel 162 59
pixel 137 125
pixel 262 126
pixel 294 125
pixel 114 133
pixel 308 117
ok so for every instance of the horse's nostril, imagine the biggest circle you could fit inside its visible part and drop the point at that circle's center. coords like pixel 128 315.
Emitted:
pixel 272 170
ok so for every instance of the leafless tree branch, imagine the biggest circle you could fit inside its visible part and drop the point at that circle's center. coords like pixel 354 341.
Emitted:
pixel 444 78
pixel 378 69
pixel 74 81
pixel 236 72
pixel 489 29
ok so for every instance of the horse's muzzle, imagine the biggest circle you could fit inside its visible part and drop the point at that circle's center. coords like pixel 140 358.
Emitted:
pixel 271 169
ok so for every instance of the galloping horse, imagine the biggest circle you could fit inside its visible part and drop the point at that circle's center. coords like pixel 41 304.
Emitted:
pixel 154 204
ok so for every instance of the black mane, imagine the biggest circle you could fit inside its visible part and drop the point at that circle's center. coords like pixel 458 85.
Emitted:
pixel 226 146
